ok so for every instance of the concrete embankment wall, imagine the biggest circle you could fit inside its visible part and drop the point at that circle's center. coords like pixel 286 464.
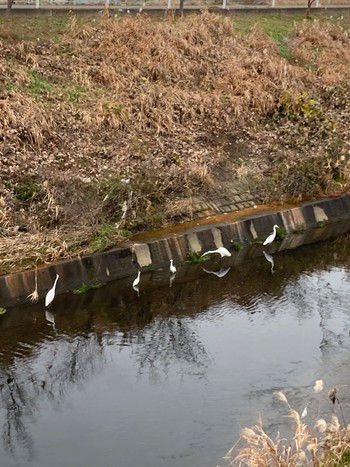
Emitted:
pixel 307 223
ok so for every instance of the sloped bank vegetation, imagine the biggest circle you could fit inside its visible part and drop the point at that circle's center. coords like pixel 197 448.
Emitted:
pixel 111 125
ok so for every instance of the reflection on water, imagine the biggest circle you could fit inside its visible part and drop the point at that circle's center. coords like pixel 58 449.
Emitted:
pixel 169 373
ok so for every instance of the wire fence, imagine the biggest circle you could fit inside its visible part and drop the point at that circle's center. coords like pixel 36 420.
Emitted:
pixel 173 4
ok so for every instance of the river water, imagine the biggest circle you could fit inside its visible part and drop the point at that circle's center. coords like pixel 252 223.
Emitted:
pixel 167 376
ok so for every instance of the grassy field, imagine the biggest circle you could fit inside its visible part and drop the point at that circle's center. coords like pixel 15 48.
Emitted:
pixel 104 132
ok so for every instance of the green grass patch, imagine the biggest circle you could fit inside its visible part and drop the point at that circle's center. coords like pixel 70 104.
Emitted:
pixel 27 190
pixel 18 28
pixel 278 27
pixel 38 84
pixel 2 310
pixel 76 94
pixel 85 288
pixel 196 258
pixel 280 234
pixel 125 233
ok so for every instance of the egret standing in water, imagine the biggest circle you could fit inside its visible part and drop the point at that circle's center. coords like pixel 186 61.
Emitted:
pixel 172 267
pixel 271 237
pixel 137 280
pixel 51 293
pixel 222 251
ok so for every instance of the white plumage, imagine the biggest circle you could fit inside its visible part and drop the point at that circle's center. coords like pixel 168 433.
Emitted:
pixel 137 280
pixel 51 293
pixel 222 251
pixel 271 237
pixel 172 267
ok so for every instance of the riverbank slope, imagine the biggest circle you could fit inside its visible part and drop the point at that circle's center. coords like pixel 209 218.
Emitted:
pixel 110 126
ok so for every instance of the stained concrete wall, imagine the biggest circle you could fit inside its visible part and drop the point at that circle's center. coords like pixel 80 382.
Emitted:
pixel 308 223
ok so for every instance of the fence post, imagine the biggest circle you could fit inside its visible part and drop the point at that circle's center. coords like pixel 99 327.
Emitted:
pixel 37 3
pixel 224 4
pixel 169 4
pixel 273 5
pixel 317 3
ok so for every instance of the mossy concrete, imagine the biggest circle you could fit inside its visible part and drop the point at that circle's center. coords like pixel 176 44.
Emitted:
pixel 310 222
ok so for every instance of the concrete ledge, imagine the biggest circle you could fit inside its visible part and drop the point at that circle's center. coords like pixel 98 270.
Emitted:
pixel 307 223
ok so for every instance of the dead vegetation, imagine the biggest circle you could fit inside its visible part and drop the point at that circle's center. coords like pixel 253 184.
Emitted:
pixel 120 121
pixel 322 443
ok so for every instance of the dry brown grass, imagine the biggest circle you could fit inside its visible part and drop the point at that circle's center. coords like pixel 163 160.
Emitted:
pixel 327 443
pixel 25 250
pixel 153 101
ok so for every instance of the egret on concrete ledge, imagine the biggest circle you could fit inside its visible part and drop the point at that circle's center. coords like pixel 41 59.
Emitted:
pixel 172 267
pixel 271 237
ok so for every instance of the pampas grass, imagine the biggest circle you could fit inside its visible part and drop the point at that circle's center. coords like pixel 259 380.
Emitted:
pixel 326 443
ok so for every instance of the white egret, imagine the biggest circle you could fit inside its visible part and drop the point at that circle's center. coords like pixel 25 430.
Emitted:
pixel 221 273
pixel 137 280
pixel 222 251
pixel 269 258
pixel 271 237
pixel 172 267
pixel 51 293
pixel 304 412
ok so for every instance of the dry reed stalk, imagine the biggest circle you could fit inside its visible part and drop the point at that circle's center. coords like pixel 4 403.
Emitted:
pixel 25 251
pixel 327 446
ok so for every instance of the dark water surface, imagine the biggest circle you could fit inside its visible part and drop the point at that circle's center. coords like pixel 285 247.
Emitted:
pixel 167 377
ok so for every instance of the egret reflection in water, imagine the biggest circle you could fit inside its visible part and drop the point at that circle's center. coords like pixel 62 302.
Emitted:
pixel 270 259
pixel 171 279
pixel 221 273
pixel 38 373
pixel 50 318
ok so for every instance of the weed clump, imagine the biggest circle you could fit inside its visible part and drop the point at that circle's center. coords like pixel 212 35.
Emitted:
pixel 27 190
pixel 196 258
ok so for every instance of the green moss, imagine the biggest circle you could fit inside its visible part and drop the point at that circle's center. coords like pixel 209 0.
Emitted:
pixel 236 246
pixel 2 310
pixel 85 288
